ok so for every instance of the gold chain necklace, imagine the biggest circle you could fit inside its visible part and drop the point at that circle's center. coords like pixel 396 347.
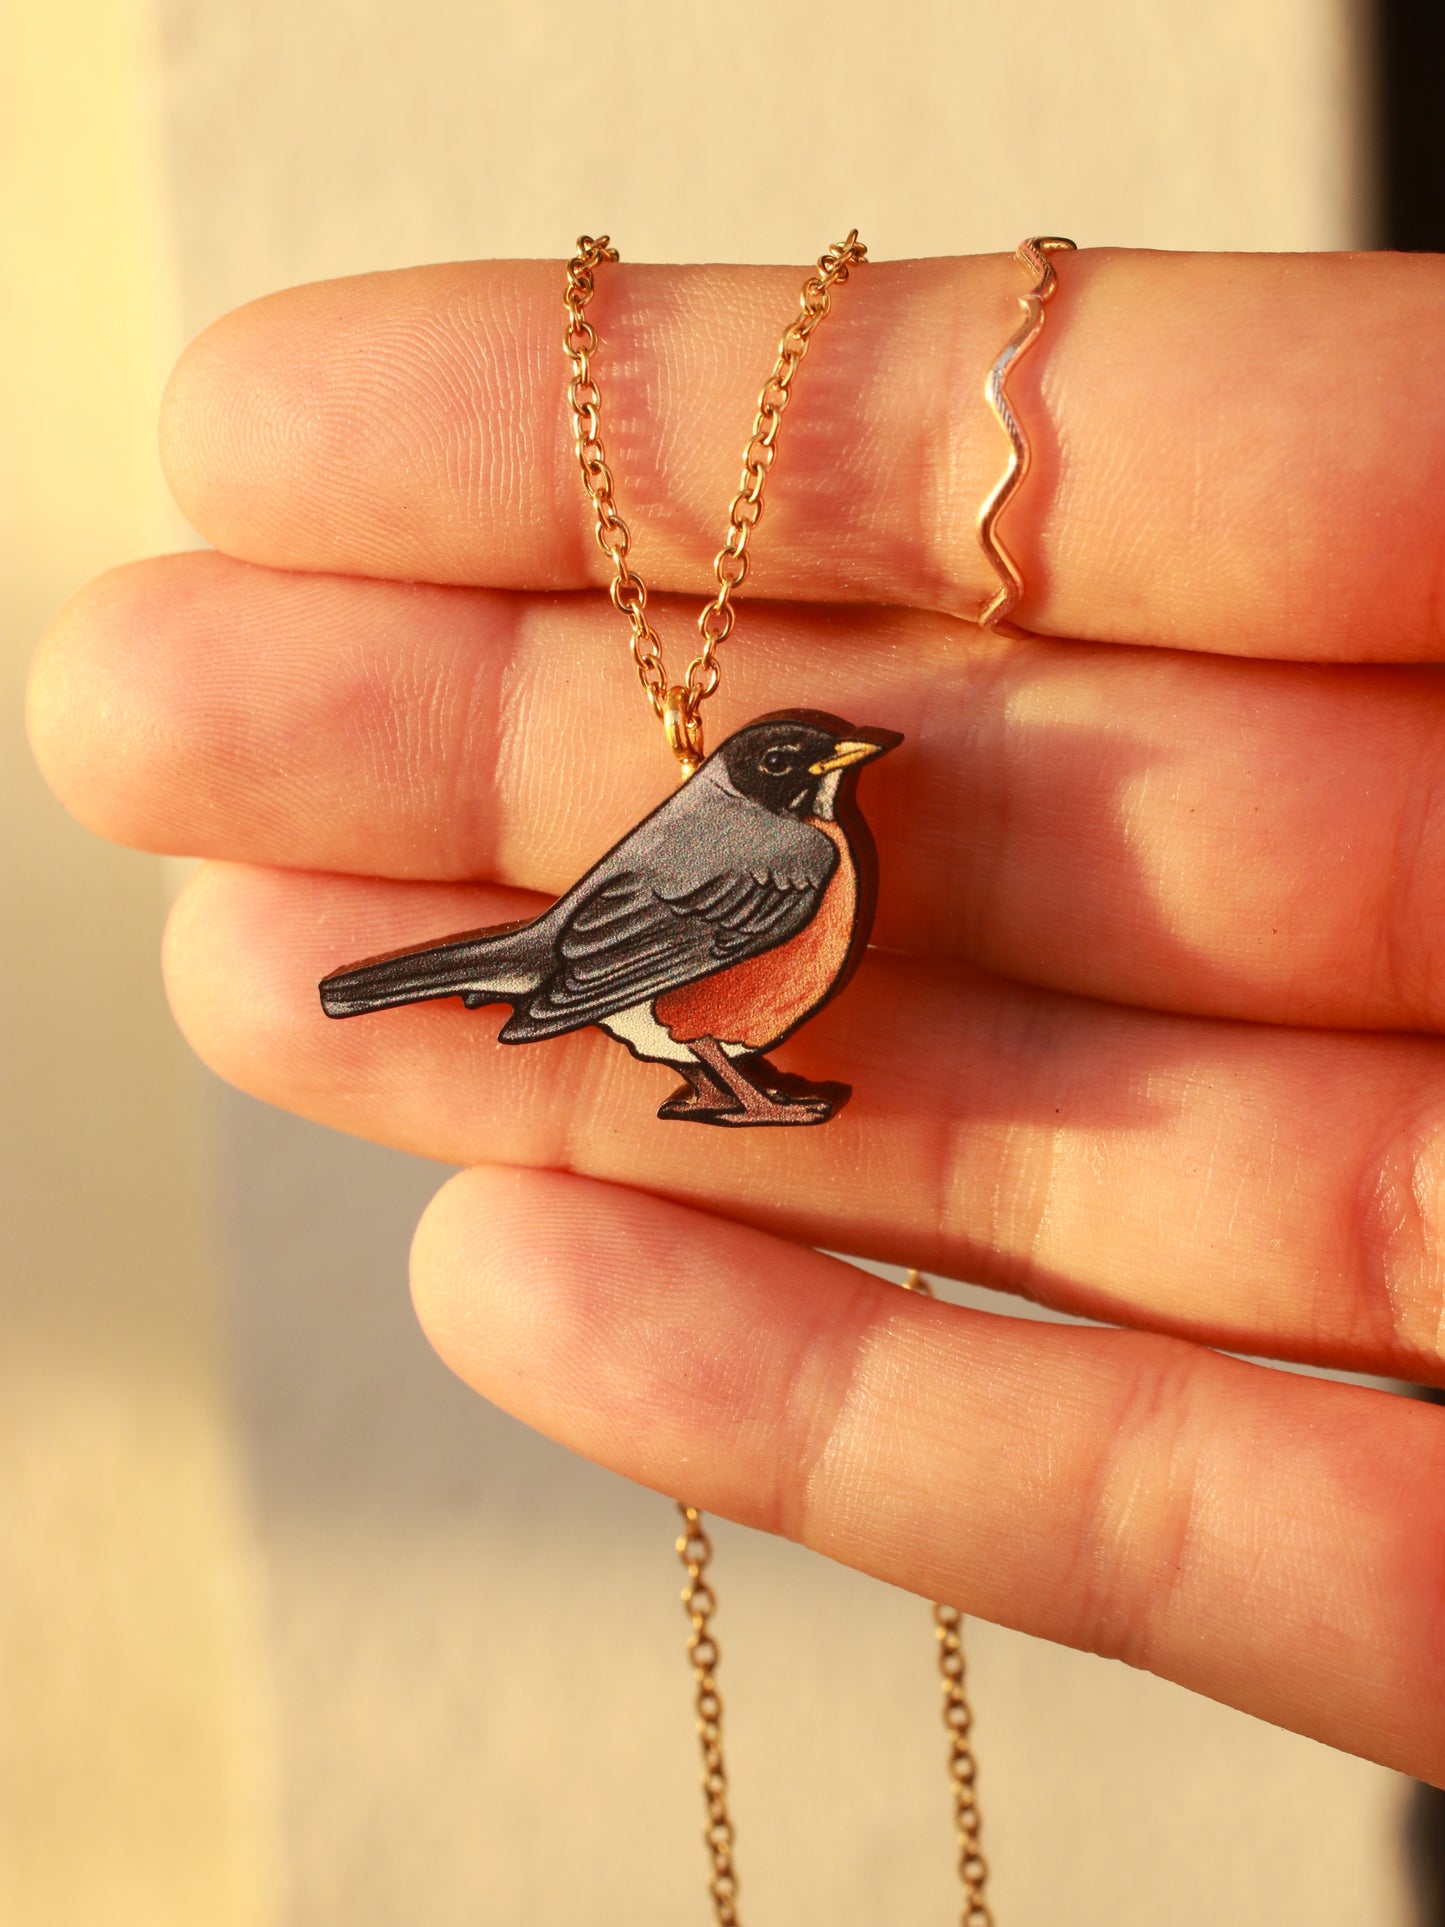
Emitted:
pixel 719 925
pixel 678 706
pixel 725 919
pixel 699 1602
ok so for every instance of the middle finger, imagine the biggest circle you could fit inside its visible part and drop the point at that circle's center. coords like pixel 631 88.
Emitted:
pixel 1233 838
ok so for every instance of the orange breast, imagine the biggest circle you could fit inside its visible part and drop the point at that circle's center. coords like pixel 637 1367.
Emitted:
pixel 757 1002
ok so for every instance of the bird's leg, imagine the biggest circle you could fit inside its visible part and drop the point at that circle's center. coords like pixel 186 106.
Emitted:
pixel 753 1104
pixel 701 1097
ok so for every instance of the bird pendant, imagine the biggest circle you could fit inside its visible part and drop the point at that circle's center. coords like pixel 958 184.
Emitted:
pixel 723 921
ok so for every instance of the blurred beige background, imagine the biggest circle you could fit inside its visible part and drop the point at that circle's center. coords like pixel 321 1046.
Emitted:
pixel 295 1632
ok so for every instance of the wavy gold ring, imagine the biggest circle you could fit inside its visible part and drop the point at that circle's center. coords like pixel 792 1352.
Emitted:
pixel 1032 254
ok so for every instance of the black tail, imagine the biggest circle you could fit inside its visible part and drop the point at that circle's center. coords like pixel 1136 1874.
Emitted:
pixel 482 967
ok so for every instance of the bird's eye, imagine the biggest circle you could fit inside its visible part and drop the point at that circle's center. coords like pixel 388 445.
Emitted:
pixel 777 762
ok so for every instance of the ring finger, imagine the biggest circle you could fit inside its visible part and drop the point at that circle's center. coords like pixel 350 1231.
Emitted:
pixel 1266 1190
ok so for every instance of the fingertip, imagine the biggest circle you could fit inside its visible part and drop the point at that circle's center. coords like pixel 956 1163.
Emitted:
pixel 183 420
pixel 669 1345
pixel 237 1014
pixel 212 384
pixel 242 408
pixel 273 413
pixel 188 948
pixel 124 731
pixel 520 1281
pixel 469 1240
pixel 76 708
pixel 50 693
pixel 540 1249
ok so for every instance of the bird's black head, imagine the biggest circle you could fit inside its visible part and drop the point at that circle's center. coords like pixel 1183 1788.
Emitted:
pixel 794 762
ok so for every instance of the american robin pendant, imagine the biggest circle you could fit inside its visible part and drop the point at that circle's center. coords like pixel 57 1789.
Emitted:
pixel 723 921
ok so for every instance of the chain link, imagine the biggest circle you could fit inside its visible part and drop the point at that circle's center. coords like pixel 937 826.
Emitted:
pixel 731 563
pixel 958 1724
pixel 694 1548
pixel 962 1768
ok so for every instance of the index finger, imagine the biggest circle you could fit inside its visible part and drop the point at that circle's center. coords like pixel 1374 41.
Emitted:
pixel 1234 453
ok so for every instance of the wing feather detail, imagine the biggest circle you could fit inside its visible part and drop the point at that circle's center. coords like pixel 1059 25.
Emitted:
pixel 630 939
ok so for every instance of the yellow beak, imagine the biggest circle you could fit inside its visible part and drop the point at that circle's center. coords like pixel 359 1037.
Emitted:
pixel 844 754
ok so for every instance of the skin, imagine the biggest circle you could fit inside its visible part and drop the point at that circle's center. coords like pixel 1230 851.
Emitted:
pixel 1153 1031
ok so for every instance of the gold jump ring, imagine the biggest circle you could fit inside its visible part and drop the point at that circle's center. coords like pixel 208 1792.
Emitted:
pixel 1032 254
pixel 684 728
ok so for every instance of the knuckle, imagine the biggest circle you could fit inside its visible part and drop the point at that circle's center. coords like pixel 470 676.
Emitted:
pixel 1137 1512
pixel 469 758
pixel 1412 887
pixel 1399 1235
pixel 837 1386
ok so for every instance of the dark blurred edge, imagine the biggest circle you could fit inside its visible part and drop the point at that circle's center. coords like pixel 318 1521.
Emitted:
pixel 1409 64
pixel 1409 123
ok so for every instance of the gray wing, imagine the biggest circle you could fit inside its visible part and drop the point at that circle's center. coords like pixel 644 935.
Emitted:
pixel 637 932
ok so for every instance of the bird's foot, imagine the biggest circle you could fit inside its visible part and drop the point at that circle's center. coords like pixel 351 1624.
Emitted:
pixel 745 1091
pixel 769 1107
pixel 787 1087
pixel 695 1106
pixel 762 1107
pixel 771 1096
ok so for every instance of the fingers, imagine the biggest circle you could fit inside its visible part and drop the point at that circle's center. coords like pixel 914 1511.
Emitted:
pixel 1238 839
pixel 1271 1541
pixel 1240 453
pixel 1265 1191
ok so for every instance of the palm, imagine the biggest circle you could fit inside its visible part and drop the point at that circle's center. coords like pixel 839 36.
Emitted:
pixel 1149 1035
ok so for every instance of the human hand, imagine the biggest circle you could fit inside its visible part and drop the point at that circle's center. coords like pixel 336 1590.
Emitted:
pixel 1152 1033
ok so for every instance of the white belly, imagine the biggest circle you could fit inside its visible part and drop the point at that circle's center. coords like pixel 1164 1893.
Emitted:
pixel 645 1037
